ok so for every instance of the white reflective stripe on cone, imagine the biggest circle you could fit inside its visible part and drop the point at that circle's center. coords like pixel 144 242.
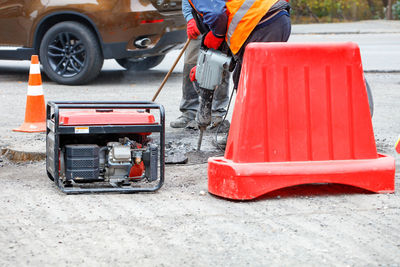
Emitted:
pixel 34 69
pixel 35 90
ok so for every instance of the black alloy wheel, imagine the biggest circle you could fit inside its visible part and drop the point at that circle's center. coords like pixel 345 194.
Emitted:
pixel 67 55
pixel 70 53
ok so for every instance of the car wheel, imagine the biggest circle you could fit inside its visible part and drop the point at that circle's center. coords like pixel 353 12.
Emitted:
pixel 140 64
pixel 70 53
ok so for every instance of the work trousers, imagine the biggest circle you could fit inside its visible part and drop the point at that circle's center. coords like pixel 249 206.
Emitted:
pixel 275 30
pixel 190 99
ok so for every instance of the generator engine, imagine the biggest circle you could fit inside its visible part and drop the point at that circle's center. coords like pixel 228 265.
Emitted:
pixel 117 163
pixel 105 147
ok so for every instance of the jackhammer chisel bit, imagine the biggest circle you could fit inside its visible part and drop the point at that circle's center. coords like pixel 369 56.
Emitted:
pixel 200 138
pixel 203 116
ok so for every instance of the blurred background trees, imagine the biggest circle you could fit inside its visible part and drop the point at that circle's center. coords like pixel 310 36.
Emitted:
pixel 311 11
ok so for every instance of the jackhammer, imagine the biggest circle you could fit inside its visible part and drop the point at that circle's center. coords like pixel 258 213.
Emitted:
pixel 212 66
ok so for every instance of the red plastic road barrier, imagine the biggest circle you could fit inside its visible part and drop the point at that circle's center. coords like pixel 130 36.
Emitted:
pixel 301 116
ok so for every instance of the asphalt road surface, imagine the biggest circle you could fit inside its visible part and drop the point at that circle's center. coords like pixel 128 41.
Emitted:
pixel 182 224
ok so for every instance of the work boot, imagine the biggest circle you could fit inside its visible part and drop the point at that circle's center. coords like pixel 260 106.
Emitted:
pixel 192 125
pixel 181 122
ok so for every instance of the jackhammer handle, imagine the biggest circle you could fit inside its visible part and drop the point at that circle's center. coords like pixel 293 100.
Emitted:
pixel 170 71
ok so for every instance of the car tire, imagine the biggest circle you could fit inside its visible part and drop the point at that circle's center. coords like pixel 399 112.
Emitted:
pixel 70 53
pixel 140 64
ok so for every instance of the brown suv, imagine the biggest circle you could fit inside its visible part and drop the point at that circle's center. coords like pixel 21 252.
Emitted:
pixel 74 37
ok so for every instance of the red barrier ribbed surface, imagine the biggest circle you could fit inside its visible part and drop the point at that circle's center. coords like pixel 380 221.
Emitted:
pixel 299 103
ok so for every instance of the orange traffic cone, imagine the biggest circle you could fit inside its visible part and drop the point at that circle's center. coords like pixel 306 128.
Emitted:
pixel 35 112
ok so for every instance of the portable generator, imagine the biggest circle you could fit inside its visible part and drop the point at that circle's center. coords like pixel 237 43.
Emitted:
pixel 96 147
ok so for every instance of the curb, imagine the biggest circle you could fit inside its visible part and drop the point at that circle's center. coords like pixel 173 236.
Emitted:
pixel 21 156
pixel 382 71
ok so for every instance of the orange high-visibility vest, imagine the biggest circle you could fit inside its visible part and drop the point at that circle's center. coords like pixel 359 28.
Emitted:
pixel 243 17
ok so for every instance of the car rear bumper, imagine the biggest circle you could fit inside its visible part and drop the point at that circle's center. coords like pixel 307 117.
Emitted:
pixel 169 41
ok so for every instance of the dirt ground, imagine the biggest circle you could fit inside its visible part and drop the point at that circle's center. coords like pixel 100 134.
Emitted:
pixel 183 225
pixel 179 225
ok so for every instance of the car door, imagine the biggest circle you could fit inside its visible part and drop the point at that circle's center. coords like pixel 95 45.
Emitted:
pixel 13 23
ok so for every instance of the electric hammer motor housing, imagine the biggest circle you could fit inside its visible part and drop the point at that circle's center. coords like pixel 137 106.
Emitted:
pixel 212 65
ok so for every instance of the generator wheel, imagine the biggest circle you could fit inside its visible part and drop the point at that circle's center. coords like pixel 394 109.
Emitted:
pixel 50 176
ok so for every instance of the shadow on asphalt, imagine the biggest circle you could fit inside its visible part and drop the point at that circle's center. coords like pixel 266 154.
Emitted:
pixel 16 74
pixel 307 191
pixel 128 77
pixel 314 190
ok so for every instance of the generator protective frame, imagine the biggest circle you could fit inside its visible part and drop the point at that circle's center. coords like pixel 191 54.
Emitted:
pixel 53 127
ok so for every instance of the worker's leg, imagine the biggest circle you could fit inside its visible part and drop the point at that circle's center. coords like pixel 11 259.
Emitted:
pixel 275 30
pixel 190 99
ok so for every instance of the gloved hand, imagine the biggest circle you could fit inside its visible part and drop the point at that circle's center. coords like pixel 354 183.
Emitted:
pixel 192 74
pixel 212 41
pixel 192 30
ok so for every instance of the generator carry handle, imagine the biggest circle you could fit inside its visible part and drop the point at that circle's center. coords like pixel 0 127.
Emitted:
pixel 55 130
